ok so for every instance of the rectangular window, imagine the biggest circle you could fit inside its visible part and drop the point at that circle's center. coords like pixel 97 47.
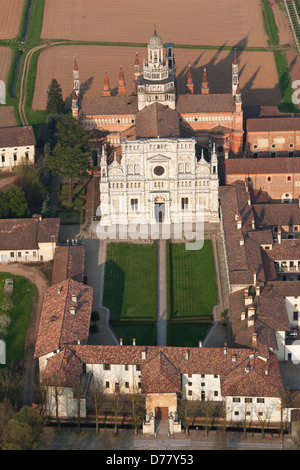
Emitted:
pixel 236 400
pixel 295 316
pixel 184 203
pixel 107 384
pixel 12 255
pixel 126 384
pixel 3 158
pixel 216 393
pixel 126 367
pixel 134 204
pixel 19 254
pixel 137 367
pixel 106 366
pixel 260 400
pixel 248 400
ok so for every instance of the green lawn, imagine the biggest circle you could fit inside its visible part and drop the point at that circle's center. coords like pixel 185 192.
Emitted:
pixel 186 334
pixel 130 281
pixel 22 299
pixel 193 287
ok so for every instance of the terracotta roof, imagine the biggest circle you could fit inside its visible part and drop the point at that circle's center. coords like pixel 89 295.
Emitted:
pixel 68 263
pixel 159 375
pixel 109 105
pixel 277 214
pixel 191 103
pixel 286 289
pixel 26 234
pixel 288 249
pixel 58 326
pixel 16 136
pixel 245 166
pixel 63 368
pixel 268 124
pixel 198 361
pixel 243 259
pixel 157 120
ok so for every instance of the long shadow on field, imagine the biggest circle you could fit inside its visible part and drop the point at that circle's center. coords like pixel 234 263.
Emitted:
pixel 219 75
pixel 114 285
pixel 84 87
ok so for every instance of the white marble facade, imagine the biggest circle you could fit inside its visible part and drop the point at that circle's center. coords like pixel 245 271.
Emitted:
pixel 159 180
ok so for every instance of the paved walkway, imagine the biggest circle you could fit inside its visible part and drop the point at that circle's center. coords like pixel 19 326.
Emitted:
pixel 161 320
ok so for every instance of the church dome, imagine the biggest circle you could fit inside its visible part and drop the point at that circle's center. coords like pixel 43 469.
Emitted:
pixel 155 40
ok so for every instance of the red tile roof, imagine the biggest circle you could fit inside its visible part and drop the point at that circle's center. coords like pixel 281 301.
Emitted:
pixel 26 234
pixel 265 166
pixel 68 263
pixel 22 136
pixel 58 326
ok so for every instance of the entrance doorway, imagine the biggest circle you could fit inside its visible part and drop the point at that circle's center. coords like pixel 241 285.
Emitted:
pixel 159 211
pixel 161 412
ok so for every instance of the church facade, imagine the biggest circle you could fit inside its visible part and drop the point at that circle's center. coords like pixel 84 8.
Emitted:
pixel 158 151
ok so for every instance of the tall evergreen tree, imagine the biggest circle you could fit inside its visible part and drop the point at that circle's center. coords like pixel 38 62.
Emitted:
pixel 55 102
pixel 71 155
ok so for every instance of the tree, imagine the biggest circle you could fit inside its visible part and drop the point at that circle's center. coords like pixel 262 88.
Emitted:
pixel 97 392
pixel 4 206
pixel 6 413
pixel 18 207
pixel 187 412
pixel 17 436
pixel 137 408
pixel 55 102
pixel 29 179
pixel 32 417
pixel 71 154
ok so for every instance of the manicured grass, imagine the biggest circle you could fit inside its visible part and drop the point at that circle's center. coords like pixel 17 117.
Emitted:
pixel 186 334
pixel 71 217
pixel 22 298
pixel 269 23
pixel 193 287
pixel 130 281
pixel 143 332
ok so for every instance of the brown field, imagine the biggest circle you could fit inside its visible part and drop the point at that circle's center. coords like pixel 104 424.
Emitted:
pixel 11 11
pixel 207 22
pixel 7 116
pixel 5 60
pixel 258 76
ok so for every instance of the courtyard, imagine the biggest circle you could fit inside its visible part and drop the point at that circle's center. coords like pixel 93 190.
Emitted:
pixel 131 292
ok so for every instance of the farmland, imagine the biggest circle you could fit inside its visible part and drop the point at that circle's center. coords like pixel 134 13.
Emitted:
pixel 236 21
pixel 11 12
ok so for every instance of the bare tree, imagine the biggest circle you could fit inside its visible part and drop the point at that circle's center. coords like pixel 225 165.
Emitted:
pixel 187 412
pixel 137 408
pixel 97 388
pixel 10 384
pixel 54 388
pixel 79 393
pixel 263 416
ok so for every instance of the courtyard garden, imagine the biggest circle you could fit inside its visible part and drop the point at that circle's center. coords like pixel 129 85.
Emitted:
pixel 130 291
pixel 71 213
pixel 192 293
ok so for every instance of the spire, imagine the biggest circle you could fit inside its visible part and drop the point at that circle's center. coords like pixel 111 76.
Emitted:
pixel 189 81
pixel 235 74
pixel 137 62
pixel 75 64
pixel 76 81
pixel 106 87
pixel 137 72
pixel 204 88
pixel 122 85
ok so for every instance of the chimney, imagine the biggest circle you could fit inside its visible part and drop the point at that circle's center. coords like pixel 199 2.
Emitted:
pixel 121 341
pixel 200 343
pixel 74 298
pixel 239 222
pixel 267 372
pixel 248 298
pixel 254 338
pixel 72 311
pixel 251 312
pixel 254 278
pixel 243 316
pixel 187 355
pixel 257 289
pixel 78 341
pixel 133 341
pixel 225 349
pixel 253 222
pixel 143 355
pixel 250 322
pixel 59 290
pixel 279 235
pixel 249 197
pixel 234 358
pixel 241 240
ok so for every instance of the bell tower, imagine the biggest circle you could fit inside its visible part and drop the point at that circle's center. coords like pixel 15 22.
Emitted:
pixel 76 80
